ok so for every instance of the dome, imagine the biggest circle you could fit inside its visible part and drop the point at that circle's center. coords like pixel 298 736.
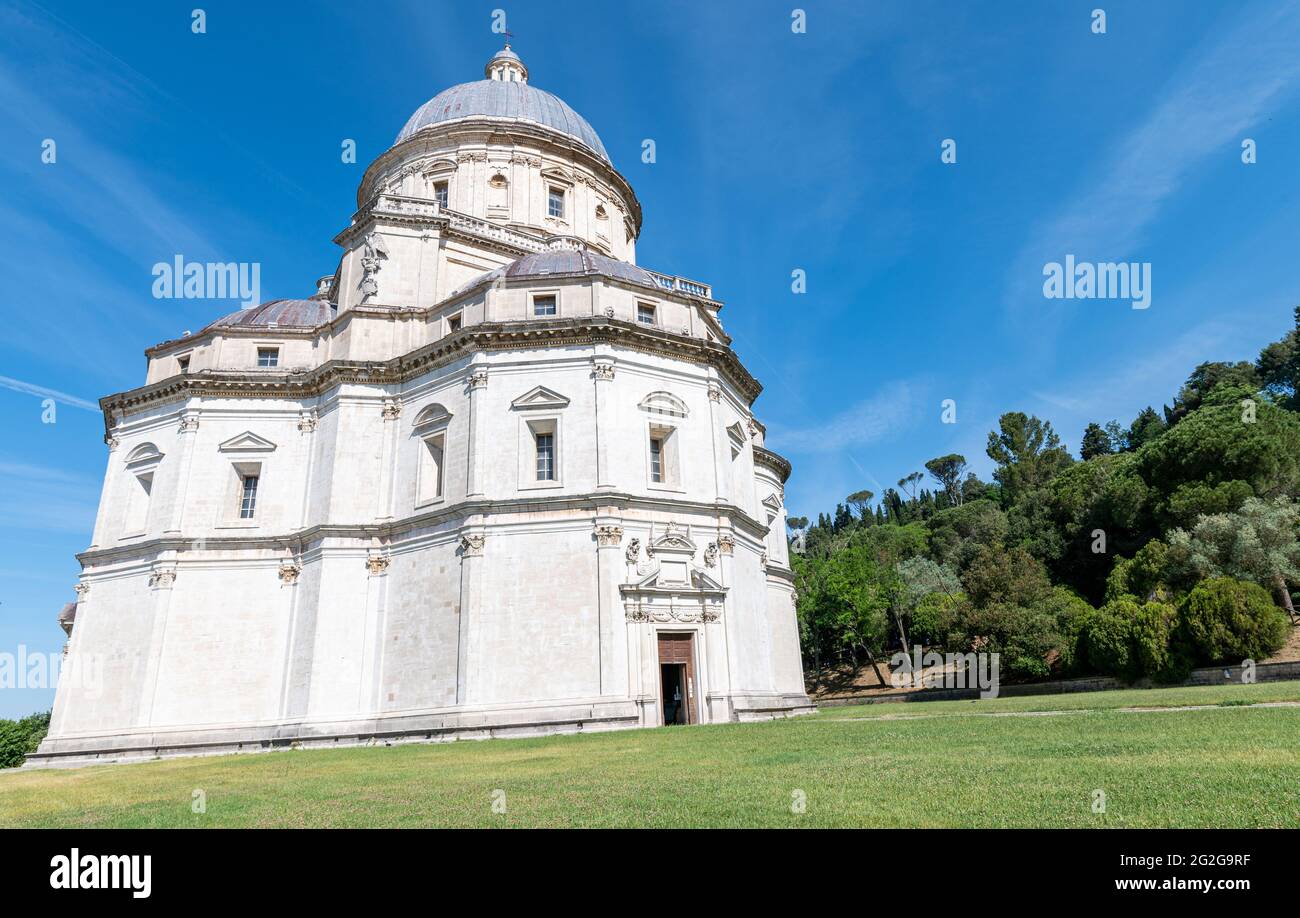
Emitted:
pixel 572 260
pixel 280 314
pixel 506 95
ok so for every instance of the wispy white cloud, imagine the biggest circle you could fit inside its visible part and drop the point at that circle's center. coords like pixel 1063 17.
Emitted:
pixel 869 421
pixel 32 389
pixel 1108 392
pixel 42 498
pixel 1232 82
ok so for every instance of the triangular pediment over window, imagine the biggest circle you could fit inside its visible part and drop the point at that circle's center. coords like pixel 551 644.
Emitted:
pixel 558 176
pixel 539 397
pixel 736 434
pixel 772 502
pixel 247 442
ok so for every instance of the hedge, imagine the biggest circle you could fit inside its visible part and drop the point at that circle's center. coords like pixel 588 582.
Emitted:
pixel 19 738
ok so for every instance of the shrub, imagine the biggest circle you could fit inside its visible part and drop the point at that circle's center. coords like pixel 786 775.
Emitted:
pixel 1144 576
pixel 1035 640
pixel 19 738
pixel 1160 651
pixel 1117 581
pixel 1027 638
pixel 1072 616
pixel 1230 620
pixel 1108 639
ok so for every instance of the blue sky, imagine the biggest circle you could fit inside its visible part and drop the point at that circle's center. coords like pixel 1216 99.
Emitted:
pixel 775 151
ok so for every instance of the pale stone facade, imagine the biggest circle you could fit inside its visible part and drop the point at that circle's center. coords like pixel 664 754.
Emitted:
pixel 495 467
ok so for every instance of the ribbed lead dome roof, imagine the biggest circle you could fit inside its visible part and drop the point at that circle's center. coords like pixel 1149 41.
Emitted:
pixel 280 314
pixel 566 257
pixel 507 99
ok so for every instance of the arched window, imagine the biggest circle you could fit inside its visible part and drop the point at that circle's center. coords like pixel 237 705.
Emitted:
pixel 141 464
pixel 430 430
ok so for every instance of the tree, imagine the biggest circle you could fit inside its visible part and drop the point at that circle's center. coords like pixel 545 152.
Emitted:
pixel 956 534
pixel 1008 576
pixel 1259 543
pixel 797 522
pixel 861 502
pixel 893 507
pixel 860 590
pixel 974 489
pixel 1028 453
pixel 1145 427
pixel 1096 442
pixel 908 483
pixel 1117 435
pixel 1278 367
pixel 1220 454
pixel 890 545
pixel 948 471
pixel 1104 494
pixel 1204 380
pixel 918 578
pixel 843 518
pixel 1034 639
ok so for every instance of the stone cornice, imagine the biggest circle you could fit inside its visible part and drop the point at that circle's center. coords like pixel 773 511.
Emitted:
pixel 420 213
pixel 389 531
pixel 709 311
pixel 773 461
pixel 484 337
pixel 709 306
pixel 776 572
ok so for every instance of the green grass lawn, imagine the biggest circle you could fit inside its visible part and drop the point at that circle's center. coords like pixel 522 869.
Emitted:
pixel 928 764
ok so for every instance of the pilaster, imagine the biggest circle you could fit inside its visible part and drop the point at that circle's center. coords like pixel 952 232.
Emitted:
pixel 472 545
pixel 602 372
pixel 186 432
pixel 478 381
pixel 161 581
pixel 612 626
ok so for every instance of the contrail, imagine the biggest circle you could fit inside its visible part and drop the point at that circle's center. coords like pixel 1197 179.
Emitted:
pixel 19 386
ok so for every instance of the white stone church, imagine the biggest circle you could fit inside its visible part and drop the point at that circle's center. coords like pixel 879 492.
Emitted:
pixel 492 479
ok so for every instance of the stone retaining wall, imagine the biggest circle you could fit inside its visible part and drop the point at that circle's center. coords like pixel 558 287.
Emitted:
pixel 1264 672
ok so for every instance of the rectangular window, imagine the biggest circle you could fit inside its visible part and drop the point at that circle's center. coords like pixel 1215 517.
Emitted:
pixel 183 363
pixel 656 460
pixel 645 314
pixel 440 193
pixel 430 482
pixel 453 324
pixel 137 513
pixel 268 356
pixel 664 471
pixel 555 202
pixel 545 456
pixel 248 497
pixel 544 305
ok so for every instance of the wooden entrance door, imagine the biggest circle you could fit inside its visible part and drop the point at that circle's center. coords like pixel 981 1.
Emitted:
pixel 678 651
